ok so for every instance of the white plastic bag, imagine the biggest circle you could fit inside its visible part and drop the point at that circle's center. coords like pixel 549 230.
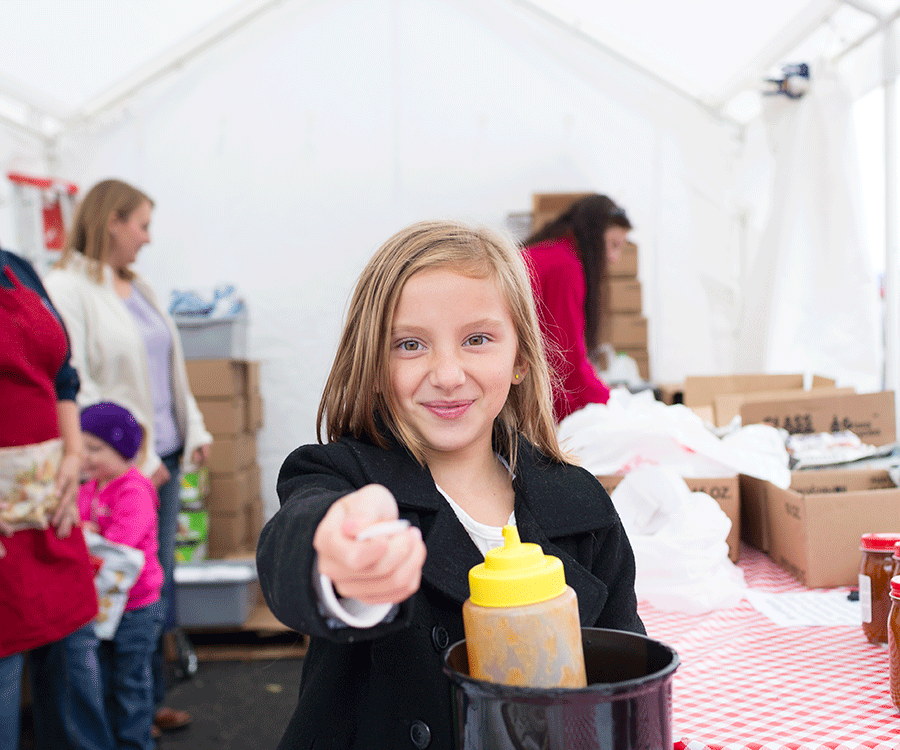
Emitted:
pixel 633 430
pixel 620 368
pixel 679 543
pixel 121 567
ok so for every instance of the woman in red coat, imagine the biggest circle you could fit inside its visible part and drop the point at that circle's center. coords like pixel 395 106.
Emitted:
pixel 568 259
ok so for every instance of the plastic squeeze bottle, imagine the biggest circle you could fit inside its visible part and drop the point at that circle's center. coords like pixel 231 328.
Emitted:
pixel 521 619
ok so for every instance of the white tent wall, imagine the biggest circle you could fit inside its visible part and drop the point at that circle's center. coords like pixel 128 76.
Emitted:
pixel 282 157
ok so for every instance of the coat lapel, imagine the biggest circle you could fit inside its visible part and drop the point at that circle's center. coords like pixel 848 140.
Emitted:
pixel 552 501
pixel 451 554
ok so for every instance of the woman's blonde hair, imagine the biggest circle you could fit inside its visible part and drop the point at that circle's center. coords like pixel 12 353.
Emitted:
pixel 89 234
pixel 358 398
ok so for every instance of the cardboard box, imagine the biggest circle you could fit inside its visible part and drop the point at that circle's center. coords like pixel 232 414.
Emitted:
pixel 230 492
pixel 870 416
pixel 554 203
pixel 232 454
pixel 727 406
pixel 627 263
pixel 251 372
pixel 254 511
pixel 254 480
pixel 701 390
pixel 727 493
pixel 220 378
pixel 254 415
pixel 754 512
pixel 621 295
pixel 227 533
pixel 670 393
pixel 815 535
pixel 724 490
pixel 224 417
pixel 756 519
pixel 624 330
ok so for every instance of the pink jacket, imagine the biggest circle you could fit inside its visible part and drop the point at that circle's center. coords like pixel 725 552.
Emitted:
pixel 125 511
pixel 559 289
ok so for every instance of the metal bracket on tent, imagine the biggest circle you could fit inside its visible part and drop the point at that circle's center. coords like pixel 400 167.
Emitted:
pixel 794 84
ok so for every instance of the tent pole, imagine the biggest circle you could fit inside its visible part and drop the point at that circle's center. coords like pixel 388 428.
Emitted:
pixel 892 262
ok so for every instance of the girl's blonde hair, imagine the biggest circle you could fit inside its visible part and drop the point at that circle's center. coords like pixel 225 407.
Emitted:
pixel 89 234
pixel 358 398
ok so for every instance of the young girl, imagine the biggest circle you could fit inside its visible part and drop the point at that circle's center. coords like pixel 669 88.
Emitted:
pixel 119 503
pixel 438 410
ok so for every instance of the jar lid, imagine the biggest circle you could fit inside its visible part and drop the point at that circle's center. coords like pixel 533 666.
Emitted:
pixel 883 542
pixel 895 586
pixel 897 550
pixel 516 574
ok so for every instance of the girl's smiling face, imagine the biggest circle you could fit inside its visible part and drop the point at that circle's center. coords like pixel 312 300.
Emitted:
pixel 453 359
pixel 101 461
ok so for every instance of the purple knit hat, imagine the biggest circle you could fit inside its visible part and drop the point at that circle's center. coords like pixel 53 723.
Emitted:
pixel 115 425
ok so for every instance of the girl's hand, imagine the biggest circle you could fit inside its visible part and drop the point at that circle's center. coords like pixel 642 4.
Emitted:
pixel 200 455
pixel 381 570
pixel 66 515
pixel 160 476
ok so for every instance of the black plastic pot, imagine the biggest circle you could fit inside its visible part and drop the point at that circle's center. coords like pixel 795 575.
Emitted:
pixel 627 704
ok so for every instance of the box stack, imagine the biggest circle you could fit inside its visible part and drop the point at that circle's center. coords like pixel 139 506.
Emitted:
pixel 623 325
pixel 547 206
pixel 228 394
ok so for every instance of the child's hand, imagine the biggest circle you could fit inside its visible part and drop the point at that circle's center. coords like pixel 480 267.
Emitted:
pixel 381 570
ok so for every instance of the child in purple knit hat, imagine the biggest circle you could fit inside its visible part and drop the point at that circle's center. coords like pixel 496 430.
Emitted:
pixel 120 504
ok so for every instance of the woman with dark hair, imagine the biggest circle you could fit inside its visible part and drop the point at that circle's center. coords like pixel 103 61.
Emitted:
pixel 568 258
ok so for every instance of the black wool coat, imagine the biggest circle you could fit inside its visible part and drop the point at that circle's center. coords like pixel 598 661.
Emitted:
pixel 383 687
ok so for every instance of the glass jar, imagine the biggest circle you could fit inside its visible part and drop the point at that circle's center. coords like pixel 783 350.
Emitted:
pixel 875 571
pixel 894 641
pixel 896 571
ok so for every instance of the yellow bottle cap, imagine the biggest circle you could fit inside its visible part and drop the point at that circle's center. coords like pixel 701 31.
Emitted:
pixel 516 574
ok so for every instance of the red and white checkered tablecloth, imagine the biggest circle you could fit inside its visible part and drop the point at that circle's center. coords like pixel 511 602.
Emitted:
pixel 745 683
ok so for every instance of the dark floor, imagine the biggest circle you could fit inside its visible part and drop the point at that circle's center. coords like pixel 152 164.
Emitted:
pixel 236 705
pixel 240 702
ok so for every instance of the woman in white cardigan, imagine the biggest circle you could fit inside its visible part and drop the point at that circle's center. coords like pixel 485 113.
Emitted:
pixel 126 349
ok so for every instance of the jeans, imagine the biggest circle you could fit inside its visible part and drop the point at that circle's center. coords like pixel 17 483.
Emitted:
pixel 125 666
pixel 78 689
pixel 10 700
pixel 169 505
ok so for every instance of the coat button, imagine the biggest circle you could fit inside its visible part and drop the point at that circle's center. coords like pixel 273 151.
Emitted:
pixel 439 638
pixel 420 734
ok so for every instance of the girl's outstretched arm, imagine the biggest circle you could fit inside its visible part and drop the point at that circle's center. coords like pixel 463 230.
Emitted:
pixel 380 570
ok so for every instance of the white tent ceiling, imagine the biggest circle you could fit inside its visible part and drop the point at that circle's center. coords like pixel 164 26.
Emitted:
pixel 61 61
pixel 298 134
